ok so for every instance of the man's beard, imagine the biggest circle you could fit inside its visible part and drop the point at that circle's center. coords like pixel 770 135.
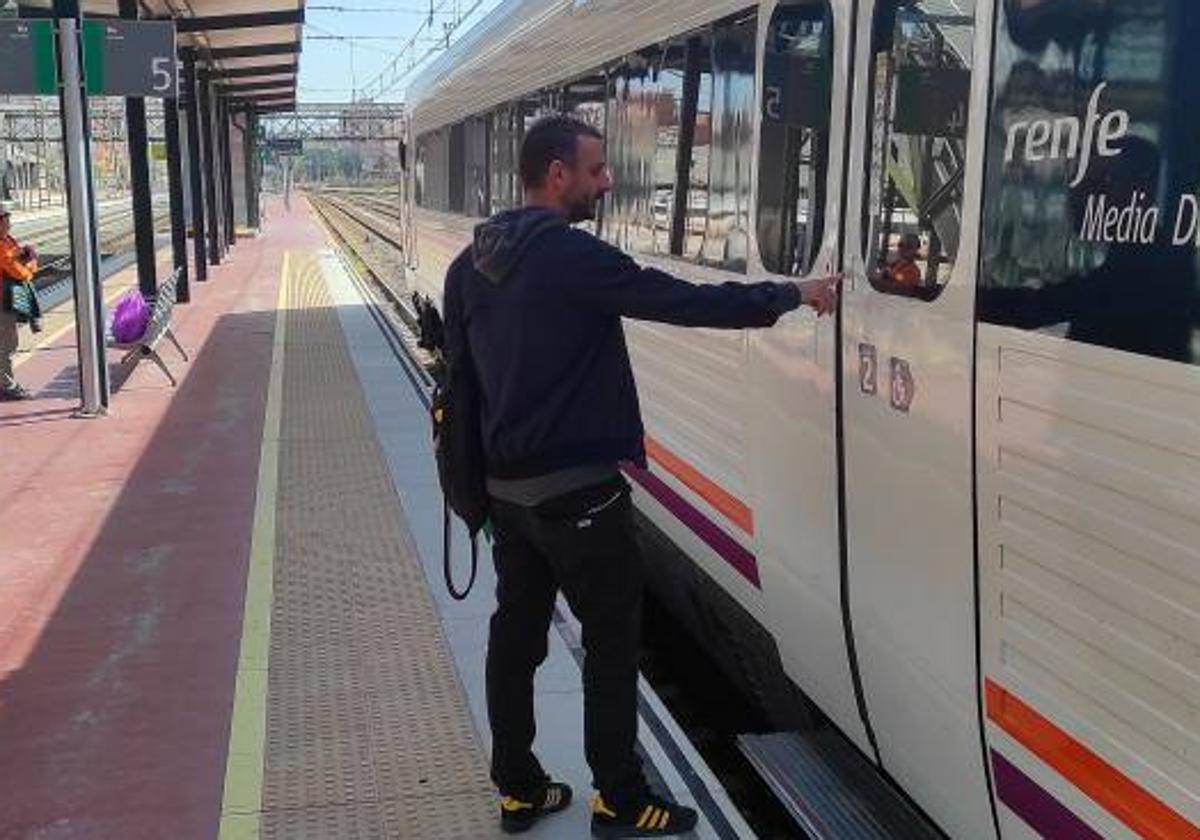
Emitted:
pixel 583 209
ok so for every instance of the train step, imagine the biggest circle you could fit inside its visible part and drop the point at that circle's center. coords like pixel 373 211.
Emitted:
pixel 830 790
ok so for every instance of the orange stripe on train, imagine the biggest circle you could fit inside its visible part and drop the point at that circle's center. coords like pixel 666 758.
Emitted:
pixel 729 506
pixel 1126 800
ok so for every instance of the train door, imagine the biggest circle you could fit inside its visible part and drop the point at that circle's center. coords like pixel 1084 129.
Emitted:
pixel 909 252
pixel 1088 436
pixel 804 55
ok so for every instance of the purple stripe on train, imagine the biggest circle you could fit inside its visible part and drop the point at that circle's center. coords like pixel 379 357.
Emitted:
pixel 728 548
pixel 1028 800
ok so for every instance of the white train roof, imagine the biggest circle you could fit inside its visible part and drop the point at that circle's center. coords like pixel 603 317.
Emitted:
pixel 524 45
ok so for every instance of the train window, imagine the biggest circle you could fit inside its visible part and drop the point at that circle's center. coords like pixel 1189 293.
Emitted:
pixel 1091 227
pixel 794 137
pixel 533 106
pixel 632 151
pixel 456 167
pixel 680 126
pixel 727 233
pixel 660 140
pixel 476 194
pixel 921 79
pixel 641 131
pixel 587 99
pixel 684 136
pixel 433 164
pixel 505 141
pixel 614 215
pixel 419 173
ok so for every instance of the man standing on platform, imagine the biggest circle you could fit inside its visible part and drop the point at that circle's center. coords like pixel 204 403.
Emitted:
pixel 18 265
pixel 536 307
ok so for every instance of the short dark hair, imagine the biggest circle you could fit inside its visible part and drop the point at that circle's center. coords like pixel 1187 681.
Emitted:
pixel 551 138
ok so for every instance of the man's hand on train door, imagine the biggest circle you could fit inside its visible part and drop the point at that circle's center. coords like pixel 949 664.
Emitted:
pixel 821 293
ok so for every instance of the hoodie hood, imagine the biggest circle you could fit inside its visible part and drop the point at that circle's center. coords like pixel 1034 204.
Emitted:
pixel 502 240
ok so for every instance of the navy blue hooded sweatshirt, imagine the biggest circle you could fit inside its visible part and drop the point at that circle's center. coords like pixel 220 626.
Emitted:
pixel 538 305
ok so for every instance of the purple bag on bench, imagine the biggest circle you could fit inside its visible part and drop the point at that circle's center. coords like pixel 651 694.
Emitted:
pixel 130 317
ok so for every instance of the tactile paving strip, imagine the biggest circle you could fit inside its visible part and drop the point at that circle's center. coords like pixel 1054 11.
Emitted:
pixel 368 733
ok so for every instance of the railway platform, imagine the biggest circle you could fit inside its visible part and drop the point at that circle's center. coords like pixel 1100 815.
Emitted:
pixel 221 607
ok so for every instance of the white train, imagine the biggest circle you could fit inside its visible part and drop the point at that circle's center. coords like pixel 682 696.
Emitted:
pixel 967 510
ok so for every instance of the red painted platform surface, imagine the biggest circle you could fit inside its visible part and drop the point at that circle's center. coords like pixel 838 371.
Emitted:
pixel 123 553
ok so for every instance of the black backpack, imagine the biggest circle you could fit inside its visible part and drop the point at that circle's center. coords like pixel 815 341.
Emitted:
pixel 457 441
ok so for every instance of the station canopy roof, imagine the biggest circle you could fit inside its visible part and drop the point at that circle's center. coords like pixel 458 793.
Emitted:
pixel 252 46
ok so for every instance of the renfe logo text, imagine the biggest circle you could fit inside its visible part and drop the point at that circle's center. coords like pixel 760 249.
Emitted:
pixel 1063 137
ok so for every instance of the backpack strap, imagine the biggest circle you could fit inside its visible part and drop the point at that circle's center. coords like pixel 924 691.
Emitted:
pixel 456 594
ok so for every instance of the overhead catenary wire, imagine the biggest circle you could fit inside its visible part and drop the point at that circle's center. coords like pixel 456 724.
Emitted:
pixel 350 38
pixel 407 59
pixel 325 35
pixel 374 10
pixel 393 74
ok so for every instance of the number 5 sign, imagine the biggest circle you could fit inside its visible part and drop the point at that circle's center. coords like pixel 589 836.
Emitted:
pixel 130 58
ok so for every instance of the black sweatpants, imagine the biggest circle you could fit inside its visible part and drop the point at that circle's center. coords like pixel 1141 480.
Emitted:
pixel 583 543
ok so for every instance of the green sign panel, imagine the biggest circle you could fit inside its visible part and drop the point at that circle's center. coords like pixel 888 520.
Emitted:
pixel 130 58
pixel 29 57
pixel 120 57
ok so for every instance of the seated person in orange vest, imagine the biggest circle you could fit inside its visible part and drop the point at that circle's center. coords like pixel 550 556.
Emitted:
pixel 18 265
pixel 902 269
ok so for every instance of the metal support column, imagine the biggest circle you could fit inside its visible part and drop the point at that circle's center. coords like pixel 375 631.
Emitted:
pixel 81 198
pixel 287 181
pixel 219 169
pixel 195 164
pixel 230 138
pixel 250 159
pixel 210 180
pixel 223 156
pixel 175 189
pixel 139 176
pixel 227 142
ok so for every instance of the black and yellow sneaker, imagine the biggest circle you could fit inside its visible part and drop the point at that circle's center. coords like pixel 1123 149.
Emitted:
pixel 648 816
pixel 517 815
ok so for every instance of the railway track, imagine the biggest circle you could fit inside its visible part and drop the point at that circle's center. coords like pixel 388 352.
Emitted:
pixel 52 236
pixel 374 242
pixel 381 206
pixel 380 256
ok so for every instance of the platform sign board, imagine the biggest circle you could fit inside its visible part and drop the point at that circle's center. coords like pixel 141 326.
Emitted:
pixel 286 145
pixel 29 58
pixel 130 58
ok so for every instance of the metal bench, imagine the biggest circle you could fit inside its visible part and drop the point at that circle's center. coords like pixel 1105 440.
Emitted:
pixel 158 327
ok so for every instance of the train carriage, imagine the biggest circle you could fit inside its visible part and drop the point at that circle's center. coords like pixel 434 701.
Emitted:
pixel 966 511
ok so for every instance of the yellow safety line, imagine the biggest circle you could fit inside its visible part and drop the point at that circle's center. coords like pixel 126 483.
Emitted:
pixel 241 804
pixel 50 338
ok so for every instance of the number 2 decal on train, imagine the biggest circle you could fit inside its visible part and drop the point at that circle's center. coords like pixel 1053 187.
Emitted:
pixel 867 365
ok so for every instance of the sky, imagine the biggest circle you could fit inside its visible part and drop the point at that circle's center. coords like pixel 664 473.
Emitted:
pixel 347 43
